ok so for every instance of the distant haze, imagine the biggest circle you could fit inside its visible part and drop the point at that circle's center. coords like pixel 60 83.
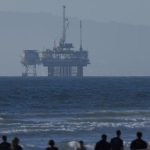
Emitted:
pixel 116 33
pixel 128 11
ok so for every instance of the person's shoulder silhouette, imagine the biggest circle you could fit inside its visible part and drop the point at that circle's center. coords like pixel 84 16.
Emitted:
pixel 4 145
pixel 138 143
pixel 116 142
pixel 51 146
pixel 102 144
pixel 15 144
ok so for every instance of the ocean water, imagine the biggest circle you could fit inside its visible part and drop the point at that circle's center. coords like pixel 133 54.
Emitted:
pixel 67 110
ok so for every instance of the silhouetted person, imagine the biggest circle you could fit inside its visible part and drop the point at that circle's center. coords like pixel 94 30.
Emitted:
pixel 51 146
pixel 82 147
pixel 102 144
pixel 116 143
pixel 138 143
pixel 15 144
pixel 4 145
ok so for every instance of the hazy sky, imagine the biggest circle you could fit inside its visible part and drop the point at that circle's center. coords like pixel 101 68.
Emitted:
pixel 128 11
pixel 136 12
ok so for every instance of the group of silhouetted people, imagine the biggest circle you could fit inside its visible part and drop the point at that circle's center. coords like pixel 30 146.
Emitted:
pixel 116 143
pixel 4 145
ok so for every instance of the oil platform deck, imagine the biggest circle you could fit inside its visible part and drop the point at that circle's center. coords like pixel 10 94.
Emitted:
pixel 61 61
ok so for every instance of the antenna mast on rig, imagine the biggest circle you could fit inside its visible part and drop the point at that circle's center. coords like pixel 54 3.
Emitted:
pixel 81 36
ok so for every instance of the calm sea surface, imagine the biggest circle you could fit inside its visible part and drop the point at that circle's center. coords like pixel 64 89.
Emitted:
pixel 39 109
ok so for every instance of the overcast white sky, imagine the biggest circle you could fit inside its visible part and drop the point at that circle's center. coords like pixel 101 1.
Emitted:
pixel 128 11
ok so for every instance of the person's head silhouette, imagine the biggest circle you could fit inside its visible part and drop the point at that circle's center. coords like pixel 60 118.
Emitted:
pixel 51 143
pixel 4 138
pixel 104 137
pixel 139 135
pixel 118 133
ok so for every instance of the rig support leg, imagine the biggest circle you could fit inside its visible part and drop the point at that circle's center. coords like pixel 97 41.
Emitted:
pixel 79 71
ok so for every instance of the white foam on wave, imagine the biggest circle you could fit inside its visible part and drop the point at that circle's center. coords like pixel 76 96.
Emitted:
pixel 74 144
pixel 73 126
pixel 30 145
pixel 119 112
pixel 24 131
pixel 1 118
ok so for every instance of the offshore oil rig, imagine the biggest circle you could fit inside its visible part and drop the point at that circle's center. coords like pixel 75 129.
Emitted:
pixel 61 61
